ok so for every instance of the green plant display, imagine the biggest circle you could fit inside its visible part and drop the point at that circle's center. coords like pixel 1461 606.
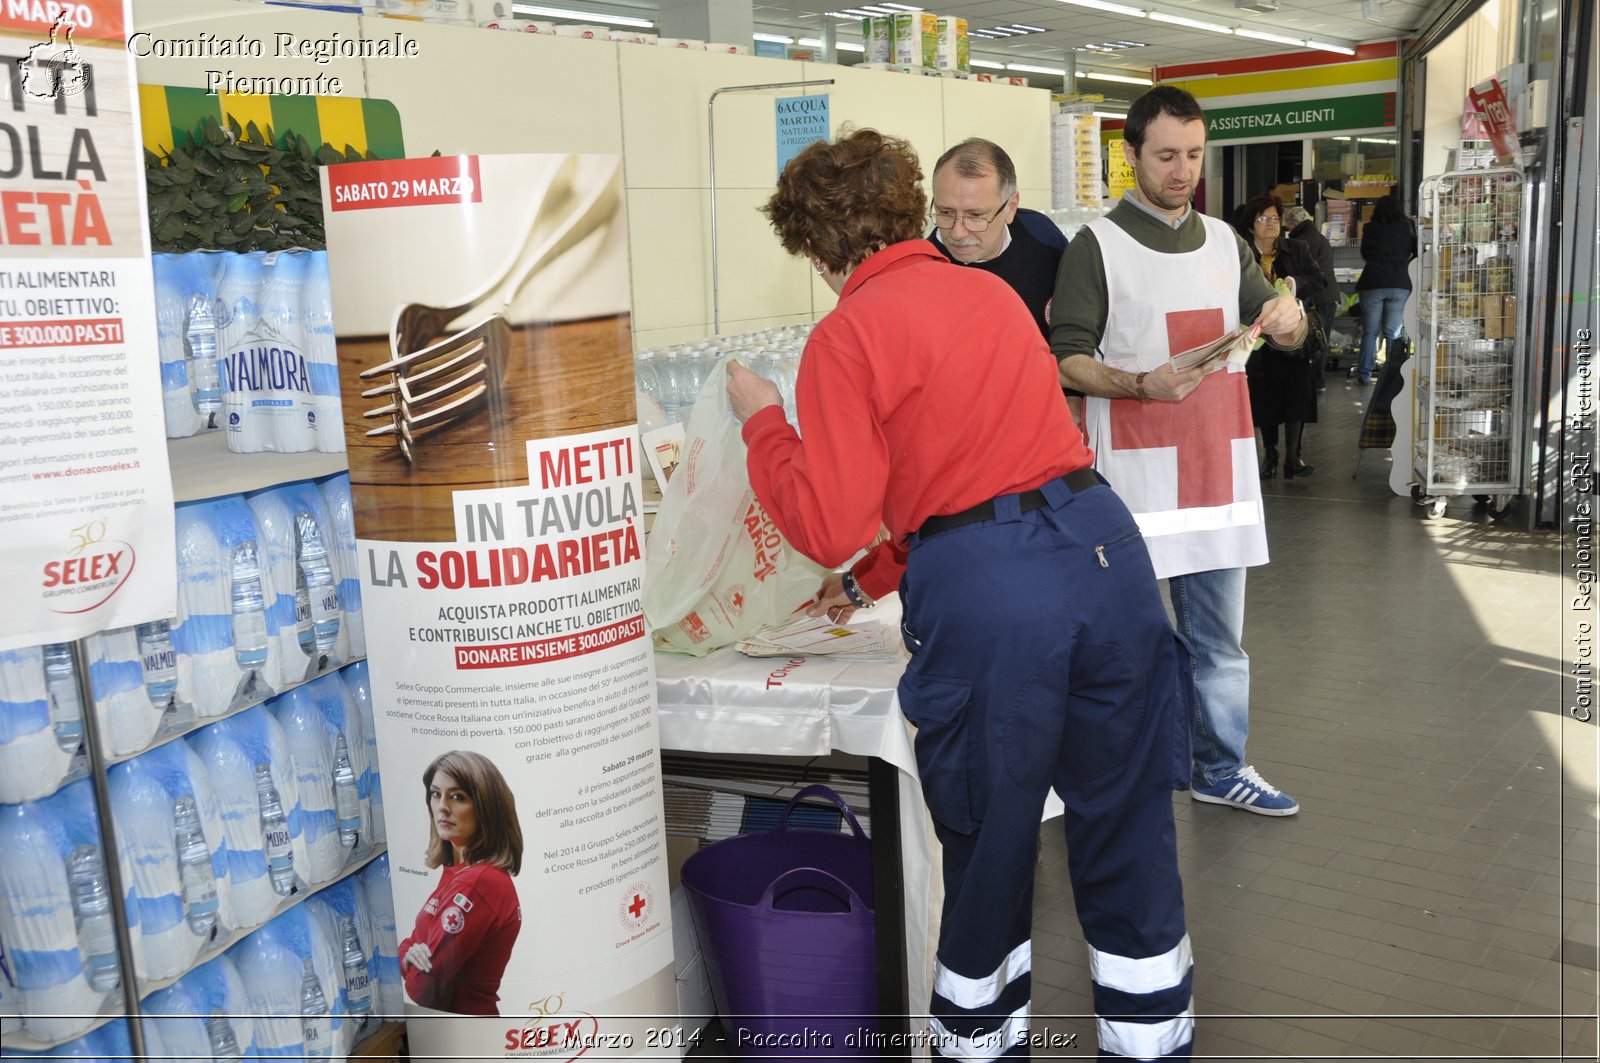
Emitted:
pixel 239 189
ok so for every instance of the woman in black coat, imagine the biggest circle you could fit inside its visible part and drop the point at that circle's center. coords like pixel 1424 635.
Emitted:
pixel 1283 386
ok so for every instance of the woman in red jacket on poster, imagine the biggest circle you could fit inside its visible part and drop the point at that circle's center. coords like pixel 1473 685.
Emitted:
pixel 457 952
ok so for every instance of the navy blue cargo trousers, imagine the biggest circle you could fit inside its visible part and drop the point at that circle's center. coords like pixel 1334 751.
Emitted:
pixel 1042 657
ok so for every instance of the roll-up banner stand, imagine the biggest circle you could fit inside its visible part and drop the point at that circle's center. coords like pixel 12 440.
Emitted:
pixel 485 363
pixel 85 496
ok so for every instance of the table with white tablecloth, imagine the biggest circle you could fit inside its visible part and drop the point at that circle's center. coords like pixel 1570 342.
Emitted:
pixel 728 703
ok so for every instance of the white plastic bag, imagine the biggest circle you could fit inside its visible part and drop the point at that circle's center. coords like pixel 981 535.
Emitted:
pixel 716 568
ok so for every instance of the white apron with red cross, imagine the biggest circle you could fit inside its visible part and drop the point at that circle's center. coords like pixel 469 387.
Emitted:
pixel 1186 469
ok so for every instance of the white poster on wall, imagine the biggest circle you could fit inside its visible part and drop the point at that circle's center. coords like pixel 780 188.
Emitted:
pixel 85 496
pixel 494 476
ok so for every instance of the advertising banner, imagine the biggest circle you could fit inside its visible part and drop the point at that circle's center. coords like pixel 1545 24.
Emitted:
pixel 85 497
pixel 1489 101
pixel 802 121
pixel 486 368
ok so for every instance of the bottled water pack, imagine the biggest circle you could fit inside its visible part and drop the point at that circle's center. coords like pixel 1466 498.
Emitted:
pixel 352 635
pixel 280 381
pixel 342 911
pixel 314 750
pixel 359 685
pixel 135 675
pixel 298 551
pixel 186 337
pixel 109 1042
pixel 248 761
pixel 41 722
pixel 55 912
pixel 292 973
pixel 145 812
pixel 224 1007
pixel 375 890
pixel 228 652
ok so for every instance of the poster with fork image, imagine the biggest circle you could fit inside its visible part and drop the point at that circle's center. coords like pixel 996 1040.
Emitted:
pixel 481 307
pixel 479 302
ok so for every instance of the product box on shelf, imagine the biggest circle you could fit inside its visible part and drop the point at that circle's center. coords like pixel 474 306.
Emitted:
pixel 688 43
pixel 916 38
pixel 588 33
pixel 954 47
pixel 877 39
pixel 633 37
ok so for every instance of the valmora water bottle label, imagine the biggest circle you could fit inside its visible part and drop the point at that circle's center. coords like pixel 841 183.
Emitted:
pixel 268 395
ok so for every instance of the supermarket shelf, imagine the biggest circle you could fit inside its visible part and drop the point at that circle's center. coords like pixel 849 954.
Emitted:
pixel 204 467
pixel 194 724
pixel 209 953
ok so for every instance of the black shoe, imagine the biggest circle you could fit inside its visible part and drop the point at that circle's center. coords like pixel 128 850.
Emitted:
pixel 1269 464
pixel 1294 468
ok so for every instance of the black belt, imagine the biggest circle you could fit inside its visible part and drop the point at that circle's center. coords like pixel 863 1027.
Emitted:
pixel 1077 480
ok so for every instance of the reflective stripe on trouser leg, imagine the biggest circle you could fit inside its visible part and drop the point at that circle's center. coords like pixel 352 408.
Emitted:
pixel 1041 656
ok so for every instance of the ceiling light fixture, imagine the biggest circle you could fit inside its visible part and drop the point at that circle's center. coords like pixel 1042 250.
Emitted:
pixel 1123 78
pixel 773 38
pixel 1192 23
pixel 1109 114
pixel 1029 29
pixel 1273 37
pixel 1321 46
pixel 900 7
pixel 876 10
pixel 582 16
pixel 1104 5
pixel 985 64
pixel 1026 69
pixel 838 46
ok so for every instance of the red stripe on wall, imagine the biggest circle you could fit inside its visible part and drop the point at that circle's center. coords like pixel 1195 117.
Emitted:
pixel 1287 61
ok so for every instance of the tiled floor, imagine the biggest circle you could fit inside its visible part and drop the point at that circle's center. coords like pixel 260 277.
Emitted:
pixel 1436 896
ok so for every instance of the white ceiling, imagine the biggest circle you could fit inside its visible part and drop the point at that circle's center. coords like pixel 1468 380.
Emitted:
pixel 1069 27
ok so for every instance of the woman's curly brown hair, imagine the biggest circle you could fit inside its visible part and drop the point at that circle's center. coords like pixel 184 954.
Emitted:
pixel 840 202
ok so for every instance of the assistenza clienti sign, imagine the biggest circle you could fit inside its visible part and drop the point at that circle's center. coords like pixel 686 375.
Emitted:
pixel 1302 117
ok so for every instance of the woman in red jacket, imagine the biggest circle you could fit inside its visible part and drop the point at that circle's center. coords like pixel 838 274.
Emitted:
pixel 457 952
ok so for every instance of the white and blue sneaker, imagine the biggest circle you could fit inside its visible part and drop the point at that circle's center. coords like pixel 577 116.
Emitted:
pixel 1246 789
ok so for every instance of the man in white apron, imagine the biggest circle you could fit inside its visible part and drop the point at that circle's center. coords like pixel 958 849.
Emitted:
pixel 1149 280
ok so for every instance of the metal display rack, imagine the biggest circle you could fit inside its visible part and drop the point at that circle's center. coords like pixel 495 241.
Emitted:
pixel 1469 390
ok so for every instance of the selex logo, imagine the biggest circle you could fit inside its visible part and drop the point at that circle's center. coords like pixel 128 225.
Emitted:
pixel 92 570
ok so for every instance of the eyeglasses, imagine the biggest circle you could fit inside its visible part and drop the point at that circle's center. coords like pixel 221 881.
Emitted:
pixel 973 223
pixel 1265 218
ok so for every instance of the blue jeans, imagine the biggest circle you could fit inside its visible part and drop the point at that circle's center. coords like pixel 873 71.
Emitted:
pixel 1379 305
pixel 1209 607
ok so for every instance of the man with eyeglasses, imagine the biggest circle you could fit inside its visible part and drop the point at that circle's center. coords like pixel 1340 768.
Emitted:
pixel 1151 279
pixel 977 222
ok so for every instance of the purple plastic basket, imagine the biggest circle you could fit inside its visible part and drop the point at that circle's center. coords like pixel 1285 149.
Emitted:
pixel 786 926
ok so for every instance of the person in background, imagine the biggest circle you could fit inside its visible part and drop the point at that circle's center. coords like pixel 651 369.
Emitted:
pixel 1283 385
pixel 1041 656
pixel 1151 279
pixel 1299 225
pixel 977 222
pixel 1388 244
pixel 457 952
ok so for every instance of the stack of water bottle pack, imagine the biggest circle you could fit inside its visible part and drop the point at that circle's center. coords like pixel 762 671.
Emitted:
pixel 671 377
pixel 247 346
pixel 268 595
pixel 307 985
pixel 220 833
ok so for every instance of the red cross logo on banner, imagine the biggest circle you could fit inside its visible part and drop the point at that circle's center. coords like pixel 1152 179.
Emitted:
pixel 1202 427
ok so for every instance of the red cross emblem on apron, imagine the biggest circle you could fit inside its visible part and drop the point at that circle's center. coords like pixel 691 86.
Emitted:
pixel 1201 428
